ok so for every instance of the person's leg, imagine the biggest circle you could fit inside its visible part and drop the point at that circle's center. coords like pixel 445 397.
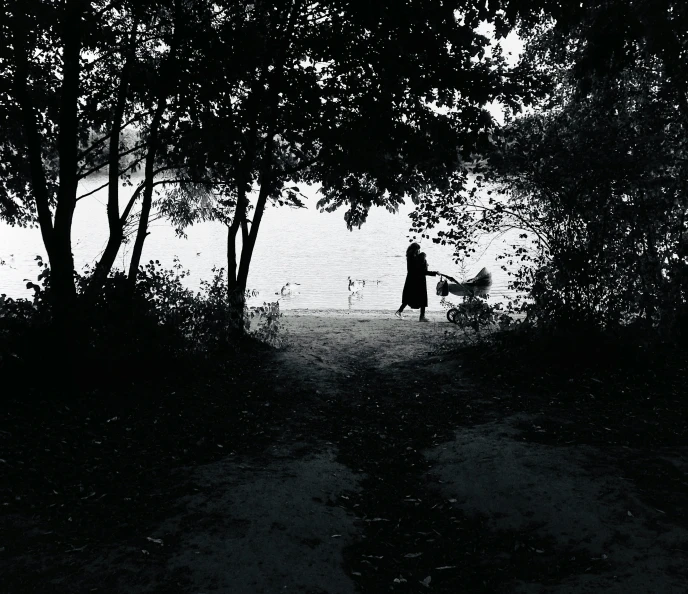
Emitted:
pixel 398 312
pixel 422 315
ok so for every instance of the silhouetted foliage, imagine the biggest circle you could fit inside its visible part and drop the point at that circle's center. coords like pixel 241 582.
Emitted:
pixel 212 101
pixel 123 337
pixel 594 179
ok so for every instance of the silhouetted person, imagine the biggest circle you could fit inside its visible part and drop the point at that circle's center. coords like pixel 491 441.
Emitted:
pixel 415 293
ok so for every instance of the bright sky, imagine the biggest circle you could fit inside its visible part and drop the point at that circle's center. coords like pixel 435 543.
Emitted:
pixel 511 47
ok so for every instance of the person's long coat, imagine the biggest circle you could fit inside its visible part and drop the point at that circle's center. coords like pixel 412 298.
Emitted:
pixel 415 293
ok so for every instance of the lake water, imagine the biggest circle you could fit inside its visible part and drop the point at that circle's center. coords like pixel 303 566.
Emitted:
pixel 294 245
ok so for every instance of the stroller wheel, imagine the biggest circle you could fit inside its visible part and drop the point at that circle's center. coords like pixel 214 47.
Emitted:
pixel 453 315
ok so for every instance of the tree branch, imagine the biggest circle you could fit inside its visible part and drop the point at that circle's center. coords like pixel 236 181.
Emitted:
pixel 130 204
pixel 300 167
pixel 103 139
pixel 527 225
pixel 107 182
pixel 33 138
pixel 124 154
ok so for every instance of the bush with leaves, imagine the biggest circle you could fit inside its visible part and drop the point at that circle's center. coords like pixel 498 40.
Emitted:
pixel 595 183
pixel 122 333
pixel 269 329
pixel 205 320
pixel 474 313
pixel 21 323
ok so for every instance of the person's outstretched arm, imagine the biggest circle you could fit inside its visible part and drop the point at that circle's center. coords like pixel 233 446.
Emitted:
pixel 436 272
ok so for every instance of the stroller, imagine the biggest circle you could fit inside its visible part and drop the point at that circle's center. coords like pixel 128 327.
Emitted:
pixel 478 285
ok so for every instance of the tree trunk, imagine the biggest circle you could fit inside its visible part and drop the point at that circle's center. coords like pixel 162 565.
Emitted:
pixel 249 242
pixel 276 76
pixel 146 203
pixel 235 294
pixel 231 258
pixel 167 85
pixel 239 221
pixel 115 223
pixel 237 279
pixel 62 260
pixel 34 149
pixel 57 235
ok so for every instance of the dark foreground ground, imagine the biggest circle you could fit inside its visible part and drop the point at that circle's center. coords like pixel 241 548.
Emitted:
pixel 369 455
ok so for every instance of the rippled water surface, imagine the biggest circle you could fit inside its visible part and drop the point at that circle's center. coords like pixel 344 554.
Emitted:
pixel 297 246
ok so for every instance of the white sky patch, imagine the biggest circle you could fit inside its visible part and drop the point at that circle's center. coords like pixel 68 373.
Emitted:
pixel 511 47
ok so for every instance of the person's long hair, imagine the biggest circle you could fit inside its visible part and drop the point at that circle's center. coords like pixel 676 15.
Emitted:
pixel 412 250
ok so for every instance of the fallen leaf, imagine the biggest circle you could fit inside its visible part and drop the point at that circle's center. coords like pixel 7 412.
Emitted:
pixel 412 555
pixel 426 582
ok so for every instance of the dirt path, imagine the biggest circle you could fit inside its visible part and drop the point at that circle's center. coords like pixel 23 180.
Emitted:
pixel 453 495
pixel 389 471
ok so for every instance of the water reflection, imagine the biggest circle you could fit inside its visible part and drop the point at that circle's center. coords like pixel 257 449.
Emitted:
pixel 354 299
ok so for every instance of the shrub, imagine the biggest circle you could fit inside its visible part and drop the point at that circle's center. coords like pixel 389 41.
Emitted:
pixel 121 334
pixel 476 314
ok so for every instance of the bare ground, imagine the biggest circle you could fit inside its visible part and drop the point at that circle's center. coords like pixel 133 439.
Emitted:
pixel 373 461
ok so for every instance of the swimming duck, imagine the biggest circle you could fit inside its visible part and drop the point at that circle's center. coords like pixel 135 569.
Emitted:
pixel 355 285
pixel 289 289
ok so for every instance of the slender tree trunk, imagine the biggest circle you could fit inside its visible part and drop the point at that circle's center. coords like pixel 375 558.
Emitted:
pixel 34 148
pixel 235 292
pixel 275 77
pixel 62 261
pixel 115 222
pixel 147 201
pixel 167 84
pixel 61 365
pixel 57 235
pixel 231 258
pixel 249 242
pixel 237 279
pixel 235 295
pixel 238 222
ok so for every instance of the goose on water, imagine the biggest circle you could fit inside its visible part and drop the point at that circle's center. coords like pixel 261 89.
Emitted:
pixel 355 285
pixel 289 289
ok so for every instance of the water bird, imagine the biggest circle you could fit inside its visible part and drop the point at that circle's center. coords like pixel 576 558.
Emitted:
pixel 289 289
pixel 355 285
